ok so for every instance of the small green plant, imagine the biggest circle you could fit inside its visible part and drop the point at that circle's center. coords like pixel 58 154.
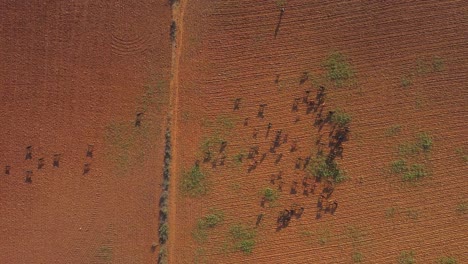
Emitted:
pixel 225 122
pixel 338 69
pixel 425 141
pixel 239 157
pixel 323 235
pixel 406 81
pixel 398 166
pixel 407 149
pixel 270 194
pixel 393 130
pixel 194 182
pixel 355 233
pixel 281 3
pixel 390 212
pixel 163 232
pixel 415 172
pixel 357 257
pixel 406 257
pixel 437 64
pixel 211 220
pixel 462 153
pixel 412 214
pixel 447 260
pixel 341 118
pixel 322 167
pixel 243 238
pixel 462 208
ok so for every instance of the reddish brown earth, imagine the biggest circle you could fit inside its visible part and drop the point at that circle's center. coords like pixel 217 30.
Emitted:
pixel 227 50
pixel 72 74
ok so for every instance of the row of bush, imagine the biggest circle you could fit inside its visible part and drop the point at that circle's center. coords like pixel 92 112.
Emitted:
pixel 164 202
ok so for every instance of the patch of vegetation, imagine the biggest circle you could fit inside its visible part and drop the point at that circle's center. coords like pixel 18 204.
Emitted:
pixel 338 69
pixel 341 118
pixel 398 166
pixel 462 208
pixel 462 153
pixel 243 238
pixel 239 157
pixel 415 172
pixel 355 233
pixel 323 236
pixel 162 255
pixel 406 257
pixel 194 182
pixel 390 212
pixel 393 130
pixel 321 167
pixel 281 3
pixel 225 122
pixel 406 81
pixel 422 67
pixel 270 194
pixel 211 220
pixel 437 64
pixel 357 257
pixel 425 141
pixel 105 253
pixel 209 144
pixel 163 233
pixel 412 214
pixel 447 260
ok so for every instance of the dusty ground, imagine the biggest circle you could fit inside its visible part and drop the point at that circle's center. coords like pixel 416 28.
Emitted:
pixel 228 50
pixel 73 74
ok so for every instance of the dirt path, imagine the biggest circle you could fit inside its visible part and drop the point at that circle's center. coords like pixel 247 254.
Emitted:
pixel 177 16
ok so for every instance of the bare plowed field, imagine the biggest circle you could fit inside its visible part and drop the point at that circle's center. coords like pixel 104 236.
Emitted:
pixel 409 62
pixel 73 74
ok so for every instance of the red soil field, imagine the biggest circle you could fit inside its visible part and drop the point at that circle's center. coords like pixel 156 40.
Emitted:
pixel 75 73
pixel 228 50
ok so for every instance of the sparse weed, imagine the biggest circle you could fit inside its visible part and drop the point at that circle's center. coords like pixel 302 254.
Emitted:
pixel 338 69
pixel 194 182
pixel 323 236
pixel 425 141
pixel 390 212
pixel 406 81
pixel 270 194
pixel 406 257
pixel 281 3
pixel 447 260
pixel 163 233
pixel 211 220
pixel 415 172
pixel 321 167
pixel 437 64
pixel 357 257
pixel 393 130
pixel 462 208
pixel 398 166
pixel 462 153
pixel 243 238
pixel 341 118
pixel 412 214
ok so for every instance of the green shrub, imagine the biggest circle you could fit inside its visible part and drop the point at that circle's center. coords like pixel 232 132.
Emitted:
pixel 437 64
pixel 398 166
pixel 406 257
pixel 194 182
pixel 357 257
pixel 270 194
pixel 462 208
pixel 163 232
pixel 415 172
pixel 243 238
pixel 338 69
pixel 447 260
pixel 406 81
pixel 211 220
pixel 321 167
pixel 425 141
pixel 341 118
